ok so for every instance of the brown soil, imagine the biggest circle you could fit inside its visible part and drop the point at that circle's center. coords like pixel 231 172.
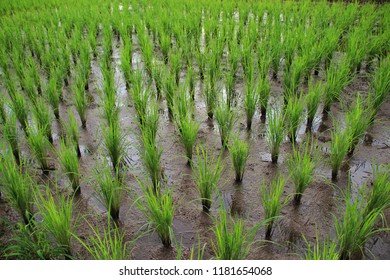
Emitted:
pixel 319 203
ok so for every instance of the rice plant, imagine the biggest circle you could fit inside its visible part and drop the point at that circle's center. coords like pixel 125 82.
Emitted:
pixel 275 133
pixel 294 115
pixel 264 90
pixel 17 188
pixel 114 143
pixel 109 245
pixel 57 217
pixel 271 198
pixel 20 107
pixel 322 250
pixel 43 118
pixel 313 99
pixel 80 100
pixel 355 226
pixel 159 210
pixel 338 149
pixel 356 123
pixel 225 118
pixel 232 239
pixel 72 132
pixel 53 93
pixel 109 189
pixel 207 171
pixel 40 146
pixel 11 134
pixel 239 151
pixel 378 197
pixel 210 96
pixel 301 164
pixel 70 165
pixel 151 155
pixel 250 103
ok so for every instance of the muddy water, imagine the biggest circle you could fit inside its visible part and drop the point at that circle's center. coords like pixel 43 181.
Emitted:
pixel 313 217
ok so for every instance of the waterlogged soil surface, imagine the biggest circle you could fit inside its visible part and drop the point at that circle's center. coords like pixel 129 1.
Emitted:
pixel 321 202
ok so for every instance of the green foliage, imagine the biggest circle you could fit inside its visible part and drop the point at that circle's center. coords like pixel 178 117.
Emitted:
pixel 239 151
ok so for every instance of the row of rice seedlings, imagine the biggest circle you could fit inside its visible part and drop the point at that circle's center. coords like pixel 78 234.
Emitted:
pixel 57 217
pixel 294 115
pixel 109 188
pixel 271 198
pixel 239 151
pixel 126 62
pixel 17 187
pixel 69 162
pixel 232 239
pixel 225 118
pixel 338 148
pixel 157 206
pixel 301 164
pixel 109 245
pixel 108 94
pixel 114 143
pixel 275 133
pixel 355 226
pixel 207 170
pixel 158 77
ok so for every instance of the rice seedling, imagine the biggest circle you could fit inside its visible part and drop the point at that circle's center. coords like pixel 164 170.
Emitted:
pixel 159 210
pixel 109 188
pixel 271 198
pixel 80 100
pixel 57 218
pixel 232 240
pixel 20 107
pixel 380 88
pixel 150 120
pixel 337 78
pixel 158 77
pixel 17 187
pixel 43 118
pixel 210 95
pixel 70 165
pixel 264 89
pixel 170 89
pixel 3 115
pixel 114 143
pixel 338 149
pixel 250 103
pixel 175 61
pixel 126 66
pixel 294 115
pixel 109 97
pixel 322 250
pixel 151 155
pixel 354 228
pixel 301 165
pixel 225 118
pixel 109 245
pixel 313 99
pixel 39 145
pixel 72 132
pixel 27 244
pixel 207 171
pixel 275 133
pixel 378 198
pixel 356 124
pixel 53 94
pixel 239 151
pixel 11 134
